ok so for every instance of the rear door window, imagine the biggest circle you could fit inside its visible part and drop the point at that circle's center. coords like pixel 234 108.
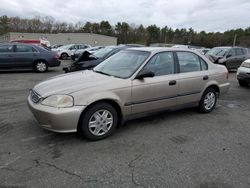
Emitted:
pixel 6 48
pixel 24 49
pixel 189 62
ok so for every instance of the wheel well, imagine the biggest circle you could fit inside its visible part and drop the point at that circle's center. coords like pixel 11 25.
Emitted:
pixel 64 53
pixel 216 88
pixel 109 101
pixel 37 60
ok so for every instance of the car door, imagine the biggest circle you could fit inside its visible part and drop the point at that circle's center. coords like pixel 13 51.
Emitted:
pixel 231 59
pixel 240 56
pixel 192 77
pixel 158 92
pixel 25 55
pixel 6 56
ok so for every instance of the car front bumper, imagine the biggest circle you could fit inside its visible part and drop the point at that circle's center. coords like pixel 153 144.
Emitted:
pixel 62 120
pixel 243 73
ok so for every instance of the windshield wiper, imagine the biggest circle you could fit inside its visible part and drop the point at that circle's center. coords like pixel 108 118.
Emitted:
pixel 102 73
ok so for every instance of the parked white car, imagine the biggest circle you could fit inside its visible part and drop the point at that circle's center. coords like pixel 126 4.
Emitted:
pixel 65 51
pixel 243 73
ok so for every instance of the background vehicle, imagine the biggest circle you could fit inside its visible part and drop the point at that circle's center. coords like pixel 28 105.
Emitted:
pixel 131 83
pixel 15 55
pixel 65 51
pixel 203 50
pixel 75 55
pixel 231 57
pixel 89 61
pixel 243 73
pixel 55 46
pixel 42 42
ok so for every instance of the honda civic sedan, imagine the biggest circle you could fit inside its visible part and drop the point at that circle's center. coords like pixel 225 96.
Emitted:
pixel 132 83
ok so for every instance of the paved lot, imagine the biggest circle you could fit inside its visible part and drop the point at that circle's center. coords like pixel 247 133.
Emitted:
pixel 174 149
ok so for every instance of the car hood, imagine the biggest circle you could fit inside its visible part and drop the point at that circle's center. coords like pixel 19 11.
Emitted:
pixel 72 82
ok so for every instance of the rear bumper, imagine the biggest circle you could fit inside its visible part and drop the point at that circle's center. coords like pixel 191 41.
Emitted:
pixel 62 120
pixel 54 63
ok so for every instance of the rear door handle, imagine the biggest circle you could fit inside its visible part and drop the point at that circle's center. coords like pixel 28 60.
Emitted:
pixel 205 77
pixel 172 82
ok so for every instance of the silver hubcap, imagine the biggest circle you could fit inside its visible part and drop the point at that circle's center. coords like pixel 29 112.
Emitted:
pixel 100 122
pixel 41 66
pixel 209 100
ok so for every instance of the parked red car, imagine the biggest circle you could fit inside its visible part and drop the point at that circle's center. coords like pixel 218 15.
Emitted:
pixel 45 43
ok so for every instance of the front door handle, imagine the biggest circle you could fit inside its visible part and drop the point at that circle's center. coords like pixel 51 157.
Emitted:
pixel 172 82
pixel 205 77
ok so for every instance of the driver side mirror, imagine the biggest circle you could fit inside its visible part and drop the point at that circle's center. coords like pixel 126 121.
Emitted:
pixel 229 55
pixel 145 74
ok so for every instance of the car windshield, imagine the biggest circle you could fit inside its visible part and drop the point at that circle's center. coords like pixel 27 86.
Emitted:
pixel 218 51
pixel 123 64
pixel 102 52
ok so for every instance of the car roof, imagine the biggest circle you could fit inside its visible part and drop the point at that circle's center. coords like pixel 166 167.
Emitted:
pixel 160 49
pixel 20 43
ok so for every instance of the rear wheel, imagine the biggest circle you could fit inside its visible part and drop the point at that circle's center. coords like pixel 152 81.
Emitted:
pixel 41 66
pixel 99 121
pixel 243 83
pixel 64 56
pixel 208 100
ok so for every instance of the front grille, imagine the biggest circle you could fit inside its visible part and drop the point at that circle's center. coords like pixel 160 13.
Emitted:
pixel 35 97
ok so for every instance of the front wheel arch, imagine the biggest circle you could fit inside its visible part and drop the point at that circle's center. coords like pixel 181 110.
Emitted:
pixel 109 101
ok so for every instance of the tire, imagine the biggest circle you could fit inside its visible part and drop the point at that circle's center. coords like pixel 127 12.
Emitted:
pixel 64 56
pixel 93 124
pixel 40 66
pixel 208 100
pixel 243 83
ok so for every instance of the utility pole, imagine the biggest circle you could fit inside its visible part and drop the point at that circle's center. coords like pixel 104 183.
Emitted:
pixel 235 37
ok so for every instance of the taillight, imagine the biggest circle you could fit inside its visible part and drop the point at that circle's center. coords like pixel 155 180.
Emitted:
pixel 55 56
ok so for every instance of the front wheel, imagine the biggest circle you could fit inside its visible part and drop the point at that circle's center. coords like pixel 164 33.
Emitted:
pixel 208 100
pixel 99 121
pixel 41 66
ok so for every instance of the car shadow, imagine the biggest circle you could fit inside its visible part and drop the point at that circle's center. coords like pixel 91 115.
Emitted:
pixel 157 118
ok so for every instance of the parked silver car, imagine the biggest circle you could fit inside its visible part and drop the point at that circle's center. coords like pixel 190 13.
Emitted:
pixel 132 83
pixel 65 51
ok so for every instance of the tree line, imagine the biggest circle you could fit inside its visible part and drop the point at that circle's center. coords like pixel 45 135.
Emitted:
pixel 128 33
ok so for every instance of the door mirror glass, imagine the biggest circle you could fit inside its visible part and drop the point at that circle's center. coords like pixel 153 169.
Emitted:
pixel 145 74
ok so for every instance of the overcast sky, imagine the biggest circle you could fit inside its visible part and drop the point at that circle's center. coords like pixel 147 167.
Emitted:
pixel 208 15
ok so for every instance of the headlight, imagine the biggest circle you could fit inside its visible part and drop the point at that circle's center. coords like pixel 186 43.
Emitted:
pixel 58 101
pixel 245 64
